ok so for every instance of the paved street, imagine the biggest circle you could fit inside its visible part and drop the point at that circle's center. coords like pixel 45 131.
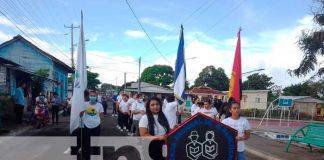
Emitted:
pixel 108 129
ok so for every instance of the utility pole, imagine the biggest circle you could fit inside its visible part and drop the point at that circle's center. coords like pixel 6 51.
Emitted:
pixel 139 75
pixel 72 48
pixel 125 80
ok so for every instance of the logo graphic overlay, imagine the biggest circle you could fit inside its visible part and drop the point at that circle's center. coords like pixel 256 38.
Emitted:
pixel 203 138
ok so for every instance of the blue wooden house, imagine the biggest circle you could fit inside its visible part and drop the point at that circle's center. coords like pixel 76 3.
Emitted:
pixel 26 59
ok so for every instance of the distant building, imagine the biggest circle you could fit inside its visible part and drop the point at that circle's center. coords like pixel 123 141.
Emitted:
pixel 149 90
pixel 253 99
pixel 24 60
pixel 307 105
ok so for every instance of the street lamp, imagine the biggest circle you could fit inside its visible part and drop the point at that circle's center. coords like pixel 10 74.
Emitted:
pixel 248 72
pixel 190 58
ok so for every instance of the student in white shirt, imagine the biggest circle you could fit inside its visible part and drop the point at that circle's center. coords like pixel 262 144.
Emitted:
pixel 119 115
pixel 138 110
pixel 170 111
pixel 155 125
pixel 124 113
pixel 130 102
pixel 241 125
pixel 209 111
pixel 194 105
pixel 92 118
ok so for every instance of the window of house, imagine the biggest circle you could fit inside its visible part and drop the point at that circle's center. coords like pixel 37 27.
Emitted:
pixel 257 99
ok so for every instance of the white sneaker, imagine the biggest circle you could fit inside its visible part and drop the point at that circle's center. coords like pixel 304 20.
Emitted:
pixel 121 130
pixel 124 128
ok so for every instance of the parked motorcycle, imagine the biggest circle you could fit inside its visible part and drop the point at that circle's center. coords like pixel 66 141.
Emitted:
pixel 41 115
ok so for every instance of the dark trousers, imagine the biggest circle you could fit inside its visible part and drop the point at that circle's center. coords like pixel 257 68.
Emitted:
pixel 124 119
pixel 86 134
pixel 179 119
pixel 55 111
pixel 105 106
pixel 135 127
pixel 114 109
pixel 19 109
pixel 77 133
pixel 119 119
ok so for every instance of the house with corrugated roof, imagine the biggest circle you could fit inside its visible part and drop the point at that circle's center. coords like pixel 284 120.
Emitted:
pixel 20 61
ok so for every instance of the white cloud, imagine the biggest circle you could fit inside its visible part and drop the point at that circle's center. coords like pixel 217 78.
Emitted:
pixel 4 37
pixel 111 67
pixel 135 34
pixel 275 51
pixel 26 27
pixel 156 24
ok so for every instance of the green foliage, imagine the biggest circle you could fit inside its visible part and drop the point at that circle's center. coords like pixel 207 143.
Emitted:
pixel 311 42
pixel 43 72
pixel 158 75
pixel 214 78
pixel 308 88
pixel 93 82
pixel 37 85
pixel 257 81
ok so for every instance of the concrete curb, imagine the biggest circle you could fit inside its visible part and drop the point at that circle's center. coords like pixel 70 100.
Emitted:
pixel 261 154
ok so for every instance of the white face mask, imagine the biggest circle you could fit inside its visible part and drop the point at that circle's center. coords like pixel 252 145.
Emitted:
pixel 140 100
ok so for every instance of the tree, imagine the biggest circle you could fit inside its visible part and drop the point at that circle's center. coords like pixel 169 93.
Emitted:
pixel 257 81
pixel 93 82
pixel 37 85
pixel 214 78
pixel 311 42
pixel 158 75
pixel 307 88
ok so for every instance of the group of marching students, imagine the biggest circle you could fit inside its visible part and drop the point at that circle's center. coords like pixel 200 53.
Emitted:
pixel 151 117
pixel 135 114
pixel 227 113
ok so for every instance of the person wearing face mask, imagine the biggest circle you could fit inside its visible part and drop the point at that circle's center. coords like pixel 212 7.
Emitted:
pixel 138 110
pixel 92 118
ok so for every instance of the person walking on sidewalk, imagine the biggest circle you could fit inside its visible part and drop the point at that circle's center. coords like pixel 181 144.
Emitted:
pixel 56 103
pixel 92 117
pixel 20 102
pixel 241 125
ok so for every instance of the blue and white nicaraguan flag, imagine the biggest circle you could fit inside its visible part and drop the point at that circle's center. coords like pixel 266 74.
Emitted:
pixel 180 72
pixel 80 82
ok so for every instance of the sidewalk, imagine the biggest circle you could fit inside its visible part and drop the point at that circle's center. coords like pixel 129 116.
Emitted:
pixel 274 150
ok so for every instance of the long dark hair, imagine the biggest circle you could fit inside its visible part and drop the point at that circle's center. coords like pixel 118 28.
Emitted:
pixel 161 117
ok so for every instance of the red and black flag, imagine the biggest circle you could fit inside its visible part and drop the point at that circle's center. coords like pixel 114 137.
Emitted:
pixel 235 88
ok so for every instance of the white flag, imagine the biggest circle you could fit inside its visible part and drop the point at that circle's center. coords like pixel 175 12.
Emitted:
pixel 80 82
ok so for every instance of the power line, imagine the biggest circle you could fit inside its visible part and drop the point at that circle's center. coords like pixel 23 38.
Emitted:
pixel 217 22
pixel 44 21
pixel 156 48
pixel 113 70
pixel 31 31
pixel 188 18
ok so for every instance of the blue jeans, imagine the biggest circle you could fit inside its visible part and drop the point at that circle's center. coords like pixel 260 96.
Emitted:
pixel 240 155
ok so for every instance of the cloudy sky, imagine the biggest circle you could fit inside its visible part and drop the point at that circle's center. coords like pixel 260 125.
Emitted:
pixel 116 40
